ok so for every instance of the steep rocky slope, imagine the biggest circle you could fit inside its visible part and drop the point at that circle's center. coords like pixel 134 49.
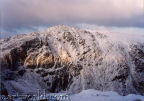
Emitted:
pixel 64 58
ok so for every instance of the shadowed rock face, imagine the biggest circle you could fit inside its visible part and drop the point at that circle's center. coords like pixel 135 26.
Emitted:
pixel 137 54
pixel 69 59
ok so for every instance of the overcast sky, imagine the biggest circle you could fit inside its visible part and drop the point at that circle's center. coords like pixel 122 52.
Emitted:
pixel 29 15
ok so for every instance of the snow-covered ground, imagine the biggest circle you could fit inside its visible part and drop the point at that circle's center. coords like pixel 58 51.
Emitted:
pixel 94 95
pixel 88 95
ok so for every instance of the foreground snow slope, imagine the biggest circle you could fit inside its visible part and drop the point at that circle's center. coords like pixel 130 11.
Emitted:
pixel 89 95
pixel 69 59
pixel 93 95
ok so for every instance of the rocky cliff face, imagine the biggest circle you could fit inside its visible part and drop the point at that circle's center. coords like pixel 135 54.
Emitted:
pixel 64 58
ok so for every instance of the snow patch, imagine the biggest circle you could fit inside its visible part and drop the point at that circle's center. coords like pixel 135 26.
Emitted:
pixel 94 95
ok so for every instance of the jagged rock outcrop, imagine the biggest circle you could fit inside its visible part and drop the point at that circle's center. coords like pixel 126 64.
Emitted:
pixel 69 59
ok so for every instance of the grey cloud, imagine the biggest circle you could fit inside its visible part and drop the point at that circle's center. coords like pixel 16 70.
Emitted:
pixel 17 14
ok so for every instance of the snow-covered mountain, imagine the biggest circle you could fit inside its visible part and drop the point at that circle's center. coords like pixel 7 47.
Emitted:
pixel 68 59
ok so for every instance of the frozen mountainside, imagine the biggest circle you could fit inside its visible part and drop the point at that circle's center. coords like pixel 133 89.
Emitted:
pixel 69 59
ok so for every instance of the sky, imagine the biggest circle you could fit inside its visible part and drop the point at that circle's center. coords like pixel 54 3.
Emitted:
pixel 23 16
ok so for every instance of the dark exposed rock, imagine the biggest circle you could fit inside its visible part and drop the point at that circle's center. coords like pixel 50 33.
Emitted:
pixel 21 72
pixel 3 90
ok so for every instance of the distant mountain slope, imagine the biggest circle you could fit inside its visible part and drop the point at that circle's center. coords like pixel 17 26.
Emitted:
pixel 64 58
